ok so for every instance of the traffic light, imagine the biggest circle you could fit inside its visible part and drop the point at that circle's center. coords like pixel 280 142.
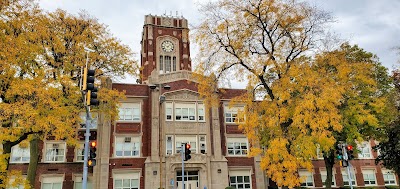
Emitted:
pixel 91 97
pixel 187 151
pixel 88 86
pixel 350 154
pixel 88 79
pixel 92 154
pixel 339 152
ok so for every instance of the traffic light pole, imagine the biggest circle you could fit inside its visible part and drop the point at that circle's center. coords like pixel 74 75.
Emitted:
pixel 183 165
pixel 87 125
pixel 349 175
pixel 346 158
pixel 86 152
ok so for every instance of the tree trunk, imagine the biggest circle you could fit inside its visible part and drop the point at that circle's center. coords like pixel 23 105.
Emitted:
pixel 329 159
pixel 33 162
pixel 3 173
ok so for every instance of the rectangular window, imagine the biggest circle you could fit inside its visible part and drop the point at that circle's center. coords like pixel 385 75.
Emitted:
pixel 389 177
pixel 79 152
pixel 364 150
pixel 52 182
pixel 161 64
pixel 202 142
pixel 185 112
pixel 20 154
pixel 324 174
pixel 237 146
pixel 167 64
pixel 232 115
pixel 169 145
pixel 126 181
pixel 130 112
pixel 369 177
pixel 346 178
pixel 187 139
pixel 55 152
pixel 174 63
pixel 200 112
pixel 306 178
pixel 78 182
pixel 126 146
pixel 240 179
pixel 168 111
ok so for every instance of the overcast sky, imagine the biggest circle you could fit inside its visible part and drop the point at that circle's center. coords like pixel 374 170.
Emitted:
pixel 372 24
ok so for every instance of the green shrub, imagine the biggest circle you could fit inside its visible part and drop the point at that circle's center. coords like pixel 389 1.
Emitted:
pixel 229 187
pixel 391 187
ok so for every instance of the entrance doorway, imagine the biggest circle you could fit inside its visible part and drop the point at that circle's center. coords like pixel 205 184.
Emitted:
pixel 191 179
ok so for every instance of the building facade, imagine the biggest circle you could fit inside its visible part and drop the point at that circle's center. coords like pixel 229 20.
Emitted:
pixel 141 149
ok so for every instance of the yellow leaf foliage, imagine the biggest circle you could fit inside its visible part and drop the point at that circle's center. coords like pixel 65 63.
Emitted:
pixel 41 55
pixel 294 102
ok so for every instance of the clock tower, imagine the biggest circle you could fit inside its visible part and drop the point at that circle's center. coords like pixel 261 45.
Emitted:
pixel 164 46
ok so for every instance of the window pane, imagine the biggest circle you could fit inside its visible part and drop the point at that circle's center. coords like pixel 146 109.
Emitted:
pixel 126 183
pixel 161 63
pixel 57 186
pixel 118 183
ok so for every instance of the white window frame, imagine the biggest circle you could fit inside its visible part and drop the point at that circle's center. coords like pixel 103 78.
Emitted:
pixel 136 112
pixel 369 175
pixel 231 114
pixel 79 152
pixel 324 174
pixel 167 63
pixel 306 177
pixel 346 178
pixel 234 146
pixel 169 111
pixel 192 140
pixel 202 144
pixel 23 154
pixel 238 177
pixel 50 145
pixel 201 113
pixel 135 150
pixel 173 143
pixel 169 145
pixel 52 180
pixel 132 176
pixel 365 151
pixel 185 112
pixel 389 177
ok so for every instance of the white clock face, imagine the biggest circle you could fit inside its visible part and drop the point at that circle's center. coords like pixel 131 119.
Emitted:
pixel 167 46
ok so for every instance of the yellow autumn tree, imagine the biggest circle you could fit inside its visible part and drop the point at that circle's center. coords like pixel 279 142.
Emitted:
pixel 41 56
pixel 298 101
